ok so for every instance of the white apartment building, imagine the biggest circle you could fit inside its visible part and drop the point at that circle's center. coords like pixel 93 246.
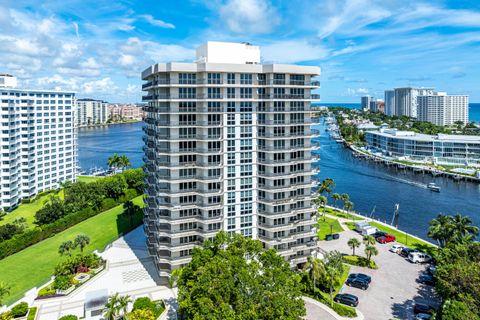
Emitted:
pixel 442 109
pixel 90 112
pixel 227 147
pixel 406 100
pixel 390 102
pixel 38 141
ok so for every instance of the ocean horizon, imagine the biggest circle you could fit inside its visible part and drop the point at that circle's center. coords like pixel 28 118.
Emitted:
pixel 473 108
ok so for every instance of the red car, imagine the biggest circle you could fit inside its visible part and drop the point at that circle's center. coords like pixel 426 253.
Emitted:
pixel 386 238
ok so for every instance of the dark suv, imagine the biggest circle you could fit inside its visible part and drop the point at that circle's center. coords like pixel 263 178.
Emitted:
pixel 357 283
pixel 346 298
pixel 362 276
pixel 406 251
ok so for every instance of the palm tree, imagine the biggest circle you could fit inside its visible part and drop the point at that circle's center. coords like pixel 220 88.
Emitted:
pixel 354 243
pixel 369 240
pixel 111 307
pixel 336 197
pixel 124 162
pixel 348 205
pixel 4 291
pixel 65 248
pixel 327 186
pixel 345 198
pixel 123 302
pixel 371 251
pixel 81 241
pixel 323 202
pixel 114 161
pixel 315 269
pixel 462 227
pixel 441 229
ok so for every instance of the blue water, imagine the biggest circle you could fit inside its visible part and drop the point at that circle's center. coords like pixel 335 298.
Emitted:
pixel 473 110
pixel 372 185
pixel 97 144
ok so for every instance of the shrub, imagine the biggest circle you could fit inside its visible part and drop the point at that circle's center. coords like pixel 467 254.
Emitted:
pixel 344 311
pixel 6 316
pixel 46 291
pixel 145 303
pixel 360 261
pixel 26 200
pixel 32 313
pixel 62 282
pixel 69 317
pixel 7 231
pixel 108 203
pixel 20 310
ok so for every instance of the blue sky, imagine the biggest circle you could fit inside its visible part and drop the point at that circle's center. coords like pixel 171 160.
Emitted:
pixel 98 48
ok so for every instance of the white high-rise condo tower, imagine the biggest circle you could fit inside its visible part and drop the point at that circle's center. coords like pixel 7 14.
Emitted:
pixel 91 112
pixel 38 141
pixel 227 147
pixel 442 109
pixel 406 100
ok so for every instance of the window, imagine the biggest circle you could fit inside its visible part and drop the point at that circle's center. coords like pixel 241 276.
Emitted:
pixel 245 78
pixel 231 78
pixel 187 78
pixel 214 78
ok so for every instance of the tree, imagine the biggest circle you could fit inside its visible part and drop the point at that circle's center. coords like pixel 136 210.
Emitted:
pixel 129 210
pixel 114 186
pixel 114 161
pixel 65 248
pixel 315 268
pixel 234 277
pixel 369 240
pixel 353 243
pixel 123 302
pixel 336 197
pixel 141 314
pixel 111 308
pixel 124 162
pixel 348 205
pixel 327 186
pixel 81 241
pixel 4 291
pixel 463 228
pixel 2 214
pixel 51 211
pixel 322 202
pixel 333 263
pixel 174 275
pixel 370 251
pixel 441 230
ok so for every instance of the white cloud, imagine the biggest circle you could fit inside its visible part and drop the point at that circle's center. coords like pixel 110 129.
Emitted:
pixel 356 92
pixel 126 60
pixel 249 16
pixel 156 22
pixel 105 85
pixel 133 89
pixel 292 51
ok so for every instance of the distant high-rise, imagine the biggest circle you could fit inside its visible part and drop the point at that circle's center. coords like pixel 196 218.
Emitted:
pixel 90 112
pixel 390 102
pixel 38 141
pixel 227 147
pixel 406 100
pixel 366 102
pixel 442 109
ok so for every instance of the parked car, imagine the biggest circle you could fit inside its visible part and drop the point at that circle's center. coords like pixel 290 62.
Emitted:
pixel 357 283
pixel 386 238
pixel 426 279
pixel 379 234
pixel 423 316
pixel 360 276
pixel 406 251
pixel 423 308
pixel 396 248
pixel 431 270
pixel 419 257
pixel 368 231
pixel 347 299
pixel 333 236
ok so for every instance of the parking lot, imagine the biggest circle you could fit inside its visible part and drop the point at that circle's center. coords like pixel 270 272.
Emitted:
pixel 393 290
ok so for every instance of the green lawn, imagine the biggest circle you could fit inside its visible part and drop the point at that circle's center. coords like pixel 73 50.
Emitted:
pixel 324 227
pixel 34 265
pixel 340 214
pixel 405 239
pixel 28 210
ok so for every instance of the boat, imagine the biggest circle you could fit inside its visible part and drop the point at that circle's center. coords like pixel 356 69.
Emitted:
pixel 432 186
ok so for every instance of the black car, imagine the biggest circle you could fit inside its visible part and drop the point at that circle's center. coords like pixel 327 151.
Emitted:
pixel 357 283
pixel 379 234
pixel 423 308
pixel 360 276
pixel 426 279
pixel 347 299
pixel 406 251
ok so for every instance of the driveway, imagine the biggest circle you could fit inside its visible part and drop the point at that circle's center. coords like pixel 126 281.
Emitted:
pixel 130 271
pixel 393 290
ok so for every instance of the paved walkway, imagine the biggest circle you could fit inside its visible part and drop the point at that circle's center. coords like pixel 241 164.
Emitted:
pixel 319 311
pixel 129 271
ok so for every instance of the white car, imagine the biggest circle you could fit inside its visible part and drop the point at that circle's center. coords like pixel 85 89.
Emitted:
pixel 395 248
pixel 419 257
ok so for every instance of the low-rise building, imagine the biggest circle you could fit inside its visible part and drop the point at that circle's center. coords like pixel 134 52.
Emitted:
pixel 91 112
pixel 440 149
pixel 122 112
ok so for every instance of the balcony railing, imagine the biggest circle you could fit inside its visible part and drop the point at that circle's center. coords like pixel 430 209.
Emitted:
pixel 240 96
pixel 280 82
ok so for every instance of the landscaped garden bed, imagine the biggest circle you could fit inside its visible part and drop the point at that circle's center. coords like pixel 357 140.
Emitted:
pixel 71 274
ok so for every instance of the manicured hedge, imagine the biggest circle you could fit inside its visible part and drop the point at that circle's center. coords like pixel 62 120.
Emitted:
pixel 32 313
pixel 20 310
pixel 32 236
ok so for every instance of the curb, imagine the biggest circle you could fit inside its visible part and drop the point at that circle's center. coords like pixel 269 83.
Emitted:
pixel 330 311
